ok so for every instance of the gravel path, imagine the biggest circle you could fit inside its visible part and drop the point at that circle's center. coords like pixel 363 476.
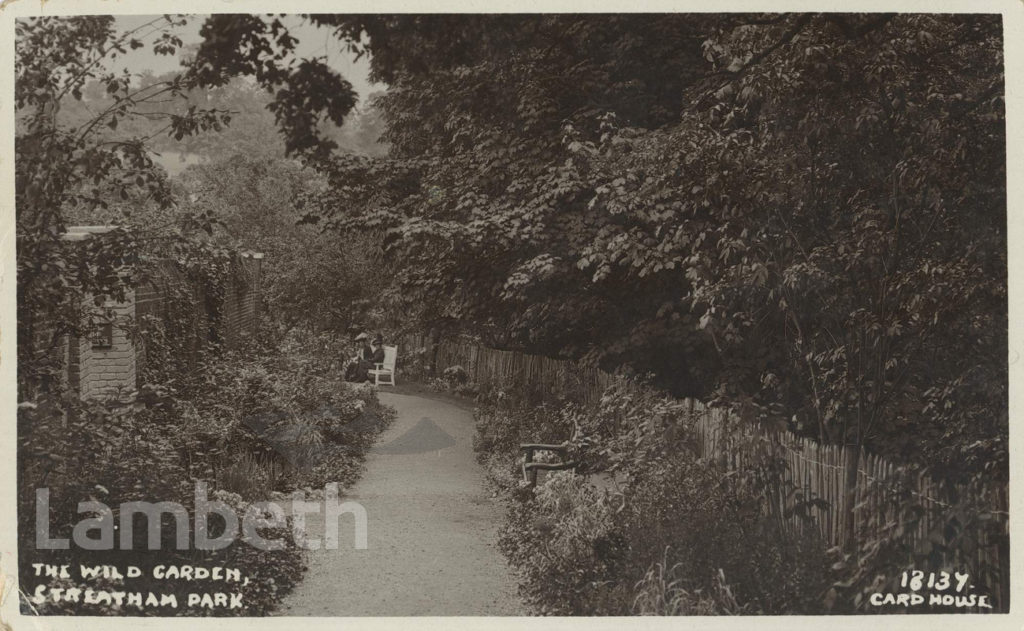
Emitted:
pixel 431 534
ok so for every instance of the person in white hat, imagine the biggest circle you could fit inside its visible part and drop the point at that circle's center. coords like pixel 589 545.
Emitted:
pixel 362 362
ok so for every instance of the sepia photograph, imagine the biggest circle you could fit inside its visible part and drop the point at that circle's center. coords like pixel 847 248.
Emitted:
pixel 554 314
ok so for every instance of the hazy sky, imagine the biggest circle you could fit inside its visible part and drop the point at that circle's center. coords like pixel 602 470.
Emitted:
pixel 313 42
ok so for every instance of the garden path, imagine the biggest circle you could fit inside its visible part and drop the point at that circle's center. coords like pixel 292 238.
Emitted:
pixel 431 528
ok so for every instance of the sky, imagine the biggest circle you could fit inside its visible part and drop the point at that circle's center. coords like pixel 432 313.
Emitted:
pixel 313 41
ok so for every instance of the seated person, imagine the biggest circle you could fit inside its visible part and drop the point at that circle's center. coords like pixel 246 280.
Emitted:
pixel 377 356
pixel 362 362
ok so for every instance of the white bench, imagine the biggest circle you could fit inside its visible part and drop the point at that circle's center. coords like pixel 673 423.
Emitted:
pixel 384 373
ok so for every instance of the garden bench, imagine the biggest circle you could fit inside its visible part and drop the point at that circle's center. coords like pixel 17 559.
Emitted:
pixel 530 468
pixel 383 373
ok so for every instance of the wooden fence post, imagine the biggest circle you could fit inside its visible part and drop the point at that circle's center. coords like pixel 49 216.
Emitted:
pixel 434 345
pixel 852 466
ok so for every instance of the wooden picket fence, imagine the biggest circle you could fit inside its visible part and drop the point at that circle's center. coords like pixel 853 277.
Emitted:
pixel 885 496
pixel 489 365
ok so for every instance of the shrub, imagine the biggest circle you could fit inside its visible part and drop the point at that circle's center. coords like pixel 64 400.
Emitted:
pixel 455 380
pixel 678 535
pixel 567 550
pixel 712 522
pixel 507 418
pixel 415 363
pixel 456 375
pixel 272 419
pixel 115 453
pixel 251 476
pixel 251 423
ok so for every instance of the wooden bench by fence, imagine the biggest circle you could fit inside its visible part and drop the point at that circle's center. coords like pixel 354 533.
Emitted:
pixel 530 468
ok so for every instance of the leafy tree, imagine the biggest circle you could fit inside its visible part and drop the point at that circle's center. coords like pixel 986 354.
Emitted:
pixel 799 215
pixel 313 280
pixel 78 163
pixel 60 166
pixel 363 130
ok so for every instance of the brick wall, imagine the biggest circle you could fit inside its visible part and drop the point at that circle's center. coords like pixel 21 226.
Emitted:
pixel 106 369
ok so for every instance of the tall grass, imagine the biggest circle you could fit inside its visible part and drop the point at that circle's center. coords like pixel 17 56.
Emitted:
pixel 251 476
pixel 660 593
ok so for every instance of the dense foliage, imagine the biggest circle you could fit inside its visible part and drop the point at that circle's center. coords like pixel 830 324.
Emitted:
pixel 663 532
pixel 802 215
pixel 112 454
pixel 316 281
pixel 650 523
pixel 253 425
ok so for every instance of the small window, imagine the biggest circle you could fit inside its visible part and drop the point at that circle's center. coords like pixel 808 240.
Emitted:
pixel 103 335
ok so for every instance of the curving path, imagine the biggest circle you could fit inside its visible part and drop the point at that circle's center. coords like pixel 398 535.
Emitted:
pixel 431 529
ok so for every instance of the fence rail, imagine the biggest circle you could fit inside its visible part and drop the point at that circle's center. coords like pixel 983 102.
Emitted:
pixel 818 474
